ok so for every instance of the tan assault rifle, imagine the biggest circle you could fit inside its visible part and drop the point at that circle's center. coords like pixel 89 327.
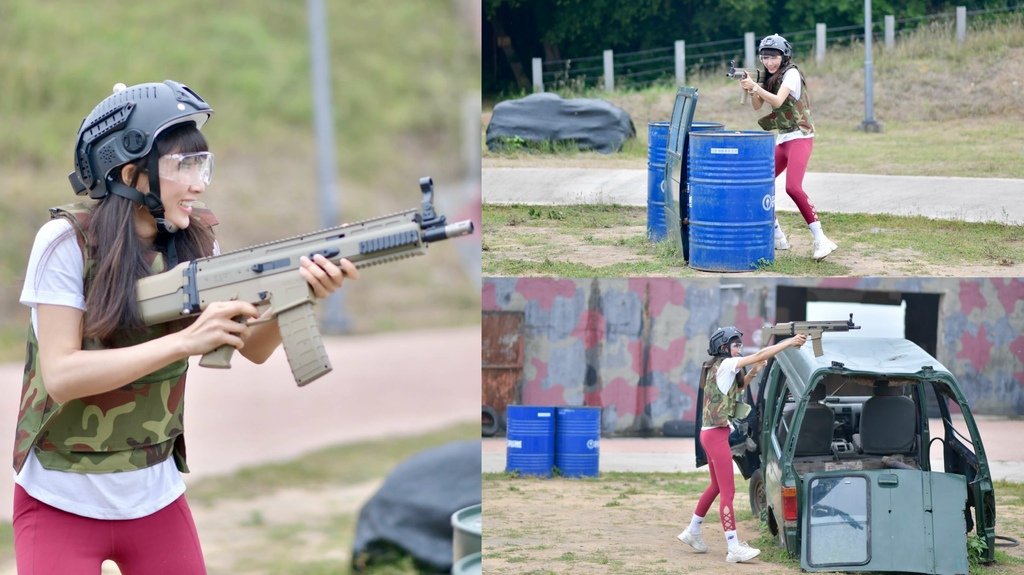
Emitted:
pixel 267 274
pixel 739 74
pixel 812 329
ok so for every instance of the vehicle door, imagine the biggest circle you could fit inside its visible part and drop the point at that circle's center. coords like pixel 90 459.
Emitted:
pixel 884 520
pixel 963 453
pixel 674 182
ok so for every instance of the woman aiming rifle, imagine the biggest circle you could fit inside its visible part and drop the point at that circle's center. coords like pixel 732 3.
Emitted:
pixel 99 448
pixel 723 389
pixel 785 91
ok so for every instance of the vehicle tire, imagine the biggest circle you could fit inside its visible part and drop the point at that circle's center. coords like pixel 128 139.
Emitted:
pixel 758 497
pixel 678 428
pixel 488 422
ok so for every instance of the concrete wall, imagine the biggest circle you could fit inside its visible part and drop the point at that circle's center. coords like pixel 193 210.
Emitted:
pixel 634 346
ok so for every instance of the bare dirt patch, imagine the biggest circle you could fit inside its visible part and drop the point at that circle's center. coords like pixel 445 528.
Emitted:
pixel 613 526
pixel 599 247
pixel 606 527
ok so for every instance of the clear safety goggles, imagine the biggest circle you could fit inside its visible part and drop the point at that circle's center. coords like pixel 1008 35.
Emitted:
pixel 188 169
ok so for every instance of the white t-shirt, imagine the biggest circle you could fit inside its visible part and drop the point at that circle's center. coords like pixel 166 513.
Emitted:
pixel 725 376
pixel 791 80
pixel 54 277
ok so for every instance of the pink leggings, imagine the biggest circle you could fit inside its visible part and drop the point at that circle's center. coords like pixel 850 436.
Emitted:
pixel 794 155
pixel 50 541
pixel 715 442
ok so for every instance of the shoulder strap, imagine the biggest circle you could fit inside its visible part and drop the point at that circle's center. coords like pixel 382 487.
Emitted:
pixel 78 215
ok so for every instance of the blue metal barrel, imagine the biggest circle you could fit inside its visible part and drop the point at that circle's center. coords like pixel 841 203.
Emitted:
pixel 679 189
pixel 657 145
pixel 530 439
pixel 732 200
pixel 577 440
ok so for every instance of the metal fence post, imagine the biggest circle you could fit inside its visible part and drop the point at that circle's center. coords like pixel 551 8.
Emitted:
pixel 819 44
pixel 334 319
pixel 538 75
pixel 609 71
pixel 961 23
pixel 680 62
pixel 869 124
pixel 749 60
pixel 890 31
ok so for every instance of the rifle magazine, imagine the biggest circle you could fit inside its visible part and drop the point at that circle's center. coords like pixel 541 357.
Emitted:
pixel 302 344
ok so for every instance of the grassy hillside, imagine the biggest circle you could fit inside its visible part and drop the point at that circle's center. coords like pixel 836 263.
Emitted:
pixel 946 109
pixel 401 73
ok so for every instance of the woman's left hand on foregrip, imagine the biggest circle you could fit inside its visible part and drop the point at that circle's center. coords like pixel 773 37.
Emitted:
pixel 324 276
pixel 747 83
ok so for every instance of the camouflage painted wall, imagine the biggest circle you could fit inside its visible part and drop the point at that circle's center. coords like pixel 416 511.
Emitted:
pixel 634 346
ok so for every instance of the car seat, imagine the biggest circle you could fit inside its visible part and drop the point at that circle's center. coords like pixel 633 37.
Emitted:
pixel 887 423
pixel 819 422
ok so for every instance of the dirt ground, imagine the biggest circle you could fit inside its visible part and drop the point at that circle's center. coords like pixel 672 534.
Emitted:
pixel 612 527
pixel 567 526
pixel 606 246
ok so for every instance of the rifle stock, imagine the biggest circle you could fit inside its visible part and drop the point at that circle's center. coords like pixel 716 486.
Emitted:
pixel 267 275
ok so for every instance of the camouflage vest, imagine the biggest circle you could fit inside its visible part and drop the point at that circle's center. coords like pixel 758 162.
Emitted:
pixel 719 407
pixel 791 115
pixel 132 427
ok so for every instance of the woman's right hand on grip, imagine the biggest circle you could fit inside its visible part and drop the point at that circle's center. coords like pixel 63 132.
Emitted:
pixel 217 326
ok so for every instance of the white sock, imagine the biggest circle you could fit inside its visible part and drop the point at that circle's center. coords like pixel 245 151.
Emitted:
pixel 816 230
pixel 779 234
pixel 732 540
pixel 695 523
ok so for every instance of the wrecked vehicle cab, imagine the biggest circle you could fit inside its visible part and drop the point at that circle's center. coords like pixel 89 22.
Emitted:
pixel 849 471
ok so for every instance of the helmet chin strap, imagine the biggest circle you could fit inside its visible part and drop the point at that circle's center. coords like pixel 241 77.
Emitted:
pixel 165 228
pixel 163 224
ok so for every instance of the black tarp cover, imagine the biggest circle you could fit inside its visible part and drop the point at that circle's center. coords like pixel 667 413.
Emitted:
pixel 592 124
pixel 412 510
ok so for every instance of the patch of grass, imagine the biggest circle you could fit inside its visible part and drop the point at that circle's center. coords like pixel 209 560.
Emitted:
pixel 535 244
pixel 341 465
pixel 915 148
pixel 585 217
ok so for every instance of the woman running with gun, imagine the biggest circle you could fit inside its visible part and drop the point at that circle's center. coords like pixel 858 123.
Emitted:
pixel 785 91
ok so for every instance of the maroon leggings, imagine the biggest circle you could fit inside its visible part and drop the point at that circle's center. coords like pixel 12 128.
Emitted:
pixel 792 156
pixel 50 541
pixel 715 442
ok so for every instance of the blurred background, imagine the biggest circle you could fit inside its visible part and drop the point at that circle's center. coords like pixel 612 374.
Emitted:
pixel 405 84
pixel 279 473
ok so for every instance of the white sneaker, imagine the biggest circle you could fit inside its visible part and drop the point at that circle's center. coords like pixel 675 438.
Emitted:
pixel 822 248
pixel 781 243
pixel 693 540
pixel 743 552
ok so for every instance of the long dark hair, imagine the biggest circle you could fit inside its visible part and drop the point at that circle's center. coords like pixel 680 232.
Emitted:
pixel 120 256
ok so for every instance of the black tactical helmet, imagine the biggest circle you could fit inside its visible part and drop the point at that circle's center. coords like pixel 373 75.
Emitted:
pixel 722 336
pixel 777 43
pixel 123 127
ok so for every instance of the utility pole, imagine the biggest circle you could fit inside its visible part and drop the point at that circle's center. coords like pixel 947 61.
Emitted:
pixel 334 318
pixel 869 124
